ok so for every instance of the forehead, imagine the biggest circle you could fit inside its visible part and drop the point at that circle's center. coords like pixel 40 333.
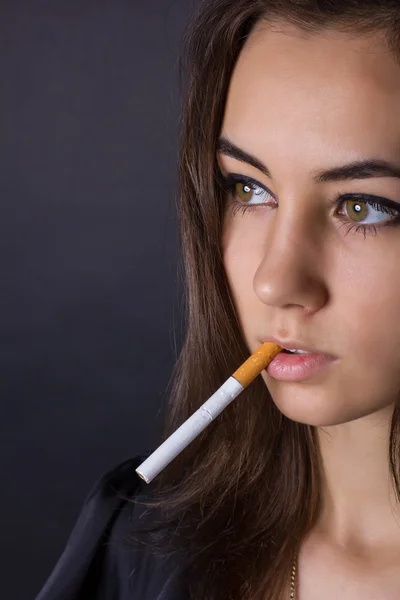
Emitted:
pixel 327 91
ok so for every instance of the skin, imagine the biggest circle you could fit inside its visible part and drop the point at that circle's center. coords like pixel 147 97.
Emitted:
pixel 300 103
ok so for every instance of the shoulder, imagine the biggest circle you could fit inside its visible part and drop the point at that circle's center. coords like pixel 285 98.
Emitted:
pixel 121 480
pixel 96 562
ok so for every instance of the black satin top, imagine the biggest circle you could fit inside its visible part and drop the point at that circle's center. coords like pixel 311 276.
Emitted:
pixel 96 563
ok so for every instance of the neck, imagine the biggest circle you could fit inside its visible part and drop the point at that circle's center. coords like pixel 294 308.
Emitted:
pixel 360 508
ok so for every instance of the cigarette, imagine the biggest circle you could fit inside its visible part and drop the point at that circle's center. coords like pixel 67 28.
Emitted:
pixel 194 425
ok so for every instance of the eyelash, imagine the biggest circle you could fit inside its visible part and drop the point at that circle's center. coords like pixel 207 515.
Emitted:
pixel 381 204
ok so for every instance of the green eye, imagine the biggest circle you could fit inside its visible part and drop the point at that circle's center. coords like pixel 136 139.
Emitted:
pixel 358 211
pixel 244 191
pixel 363 212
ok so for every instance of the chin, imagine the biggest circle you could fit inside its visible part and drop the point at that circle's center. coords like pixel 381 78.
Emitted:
pixel 321 408
pixel 313 418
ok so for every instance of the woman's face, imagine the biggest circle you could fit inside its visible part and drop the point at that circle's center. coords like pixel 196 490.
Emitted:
pixel 301 267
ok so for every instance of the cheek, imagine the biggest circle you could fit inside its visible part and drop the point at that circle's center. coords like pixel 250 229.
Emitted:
pixel 366 289
pixel 241 260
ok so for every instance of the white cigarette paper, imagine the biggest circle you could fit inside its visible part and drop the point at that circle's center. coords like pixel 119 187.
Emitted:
pixel 195 424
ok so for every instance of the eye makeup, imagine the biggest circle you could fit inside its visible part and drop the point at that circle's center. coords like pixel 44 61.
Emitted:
pixel 380 204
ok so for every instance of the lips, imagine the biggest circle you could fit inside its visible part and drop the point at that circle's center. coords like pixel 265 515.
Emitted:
pixel 298 367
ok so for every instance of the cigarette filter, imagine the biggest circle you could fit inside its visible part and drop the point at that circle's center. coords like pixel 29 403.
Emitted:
pixel 199 420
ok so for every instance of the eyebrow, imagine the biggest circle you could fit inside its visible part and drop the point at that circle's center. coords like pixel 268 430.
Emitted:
pixel 362 169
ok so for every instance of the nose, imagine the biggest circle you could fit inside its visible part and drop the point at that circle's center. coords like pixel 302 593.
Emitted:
pixel 291 272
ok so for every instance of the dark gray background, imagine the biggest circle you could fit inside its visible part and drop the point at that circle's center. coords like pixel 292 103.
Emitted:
pixel 91 297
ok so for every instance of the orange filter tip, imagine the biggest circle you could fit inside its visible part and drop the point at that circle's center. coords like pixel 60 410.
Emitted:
pixel 258 361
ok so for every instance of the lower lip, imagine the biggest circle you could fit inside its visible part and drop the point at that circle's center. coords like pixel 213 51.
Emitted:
pixel 297 367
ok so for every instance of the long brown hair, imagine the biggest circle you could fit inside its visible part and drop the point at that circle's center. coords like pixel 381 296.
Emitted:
pixel 244 494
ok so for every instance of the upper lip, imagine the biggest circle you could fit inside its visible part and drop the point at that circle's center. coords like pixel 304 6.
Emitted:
pixel 294 345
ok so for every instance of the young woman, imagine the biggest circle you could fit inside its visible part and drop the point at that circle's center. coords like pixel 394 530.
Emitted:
pixel 290 220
